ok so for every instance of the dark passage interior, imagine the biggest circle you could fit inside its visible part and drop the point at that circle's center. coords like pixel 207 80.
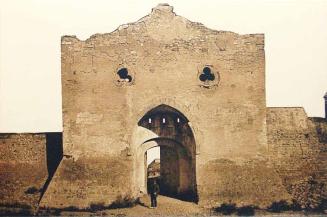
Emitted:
pixel 169 171
pixel 174 170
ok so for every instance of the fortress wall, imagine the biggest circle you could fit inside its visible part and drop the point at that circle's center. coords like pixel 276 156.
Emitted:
pixel 86 181
pixel 252 182
pixel 23 168
pixel 293 142
pixel 165 55
pixel 96 107
pixel 295 150
pixel 100 112
pixel 321 129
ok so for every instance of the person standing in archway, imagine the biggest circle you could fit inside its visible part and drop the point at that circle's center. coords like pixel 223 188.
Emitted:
pixel 154 191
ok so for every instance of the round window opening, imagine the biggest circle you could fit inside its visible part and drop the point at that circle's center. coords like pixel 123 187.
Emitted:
pixel 124 76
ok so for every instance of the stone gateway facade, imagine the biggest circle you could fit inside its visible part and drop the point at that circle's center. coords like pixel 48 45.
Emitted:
pixel 197 93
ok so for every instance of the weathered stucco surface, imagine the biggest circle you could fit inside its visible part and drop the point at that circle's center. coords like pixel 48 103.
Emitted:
pixel 23 168
pixel 297 148
pixel 293 142
pixel 197 93
pixel 164 55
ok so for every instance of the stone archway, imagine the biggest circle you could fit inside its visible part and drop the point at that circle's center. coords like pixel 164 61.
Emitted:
pixel 168 128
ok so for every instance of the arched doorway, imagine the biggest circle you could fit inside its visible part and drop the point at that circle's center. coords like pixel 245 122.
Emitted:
pixel 168 129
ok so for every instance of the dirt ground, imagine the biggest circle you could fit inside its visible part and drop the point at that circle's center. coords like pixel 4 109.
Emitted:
pixel 173 207
pixel 166 207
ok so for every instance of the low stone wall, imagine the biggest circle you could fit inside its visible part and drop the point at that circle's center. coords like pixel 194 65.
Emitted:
pixel 85 181
pixel 295 169
pixel 23 168
pixel 295 150
pixel 321 128
pixel 247 182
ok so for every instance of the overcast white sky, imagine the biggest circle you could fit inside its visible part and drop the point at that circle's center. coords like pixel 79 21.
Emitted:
pixel 30 31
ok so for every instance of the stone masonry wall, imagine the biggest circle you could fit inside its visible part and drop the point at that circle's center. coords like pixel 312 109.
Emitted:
pixel 164 55
pixel 110 81
pixel 244 153
pixel 296 151
pixel 321 129
pixel 23 168
pixel 251 182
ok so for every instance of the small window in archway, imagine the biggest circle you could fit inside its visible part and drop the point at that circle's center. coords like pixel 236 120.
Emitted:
pixel 178 120
pixel 163 120
pixel 150 120
pixel 207 75
pixel 124 75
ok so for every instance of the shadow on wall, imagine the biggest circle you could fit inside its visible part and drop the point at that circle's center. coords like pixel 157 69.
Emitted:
pixel 54 150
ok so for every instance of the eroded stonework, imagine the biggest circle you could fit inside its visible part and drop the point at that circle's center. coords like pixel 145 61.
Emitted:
pixel 198 93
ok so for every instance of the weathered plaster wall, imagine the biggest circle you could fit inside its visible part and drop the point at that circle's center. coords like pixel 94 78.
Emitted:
pixel 164 63
pixel 23 168
pixel 296 149
pixel 79 181
pixel 164 54
pixel 242 152
pixel 321 129
pixel 292 139
pixel 103 145
pixel 251 182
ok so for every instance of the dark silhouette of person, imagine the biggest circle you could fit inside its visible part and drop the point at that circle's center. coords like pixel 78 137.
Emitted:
pixel 154 191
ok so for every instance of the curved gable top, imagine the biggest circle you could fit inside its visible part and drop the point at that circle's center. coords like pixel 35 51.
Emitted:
pixel 162 24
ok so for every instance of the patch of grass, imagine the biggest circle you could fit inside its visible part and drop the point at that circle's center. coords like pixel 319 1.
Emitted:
pixel 49 212
pixel 295 206
pixel 231 208
pixel 279 206
pixel 309 193
pixel 72 209
pixel 32 190
pixel 282 206
pixel 226 208
pixel 246 211
pixel 120 202
pixel 16 212
pixel 97 207
pixel 124 202
pixel 16 205
pixel 16 209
